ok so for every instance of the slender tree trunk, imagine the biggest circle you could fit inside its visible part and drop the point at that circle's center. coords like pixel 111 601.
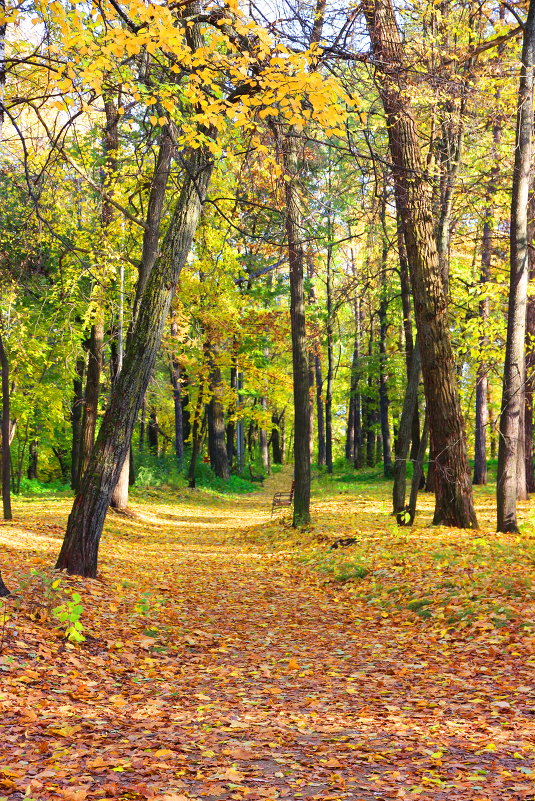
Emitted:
pixel 320 411
pixel 275 440
pixel 33 459
pixel 216 419
pixel 416 482
pixel 288 142
pixel 142 427
pixel 330 361
pixel 404 433
pixel 264 449
pixel 482 384
pixel 231 425
pixel 4 592
pixel 454 503
pixel 79 551
pixel 195 438
pixel 407 328
pixel 152 433
pixel 513 399
pixel 530 348
pixel 91 395
pixel 174 372
pixel 383 379
pixel 76 421
pixel 6 431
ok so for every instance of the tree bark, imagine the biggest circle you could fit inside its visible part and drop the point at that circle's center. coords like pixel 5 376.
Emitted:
pixel 454 503
pixel 383 379
pixel 288 144
pixel 79 551
pixel 174 371
pixel 76 421
pixel 320 411
pixel 482 384
pixel 6 430
pixel 91 395
pixel 530 349
pixel 152 432
pixel 216 419
pixel 513 399
pixel 403 440
pixel 275 439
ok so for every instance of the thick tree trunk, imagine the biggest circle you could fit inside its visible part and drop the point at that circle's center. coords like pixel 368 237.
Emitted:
pixel 6 431
pixel 454 503
pixel 513 399
pixel 76 421
pixel 91 395
pixel 80 547
pixel 288 142
pixel 404 433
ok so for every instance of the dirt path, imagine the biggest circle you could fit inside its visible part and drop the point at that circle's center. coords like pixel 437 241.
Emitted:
pixel 218 669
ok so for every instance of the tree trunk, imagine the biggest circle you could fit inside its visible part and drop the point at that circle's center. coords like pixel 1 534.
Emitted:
pixel 33 459
pixel 513 399
pixel 264 449
pixel 6 431
pixel 4 592
pixel 288 143
pixel 91 395
pixel 407 328
pixel 320 411
pixel 530 349
pixel 275 439
pixel 76 421
pixel 454 503
pixel 195 438
pixel 79 551
pixel 231 425
pixel 152 432
pixel 216 419
pixel 403 440
pixel 330 360
pixel 383 379
pixel 482 384
pixel 174 371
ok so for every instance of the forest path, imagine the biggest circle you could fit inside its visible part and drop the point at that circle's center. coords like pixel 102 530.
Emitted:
pixel 218 667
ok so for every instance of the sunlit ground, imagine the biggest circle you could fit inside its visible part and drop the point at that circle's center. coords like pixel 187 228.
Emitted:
pixel 228 656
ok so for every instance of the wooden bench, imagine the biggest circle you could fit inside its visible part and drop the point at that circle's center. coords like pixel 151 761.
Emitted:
pixel 283 499
pixel 260 479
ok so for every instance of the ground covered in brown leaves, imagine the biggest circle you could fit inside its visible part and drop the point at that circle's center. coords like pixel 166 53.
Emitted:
pixel 227 657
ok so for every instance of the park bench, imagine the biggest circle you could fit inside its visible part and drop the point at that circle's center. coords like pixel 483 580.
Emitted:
pixel 255 477
pixel 282 499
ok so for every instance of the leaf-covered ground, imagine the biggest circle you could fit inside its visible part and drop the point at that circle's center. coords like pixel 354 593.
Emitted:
pixel 227 657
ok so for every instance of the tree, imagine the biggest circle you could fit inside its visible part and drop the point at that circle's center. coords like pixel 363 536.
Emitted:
pixel 510 455
pixel 6 434
pixel 454 503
